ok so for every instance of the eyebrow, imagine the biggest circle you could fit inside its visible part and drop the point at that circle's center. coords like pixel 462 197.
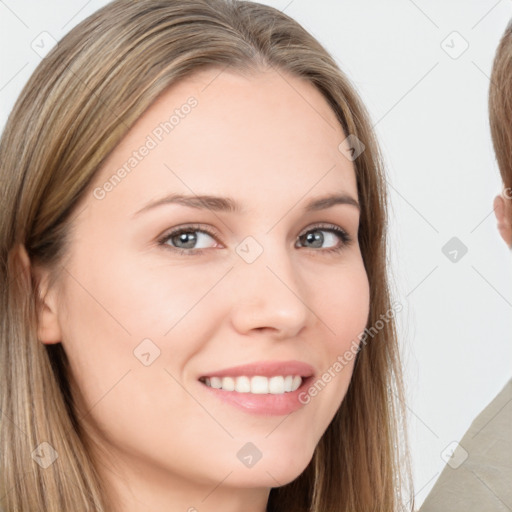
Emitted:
pixel 227 204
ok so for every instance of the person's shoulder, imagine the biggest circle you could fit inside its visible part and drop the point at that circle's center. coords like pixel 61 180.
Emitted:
pixel 494 420
pixel 479 474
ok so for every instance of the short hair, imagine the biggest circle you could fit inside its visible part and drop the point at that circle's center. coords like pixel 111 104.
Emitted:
pixel 500 107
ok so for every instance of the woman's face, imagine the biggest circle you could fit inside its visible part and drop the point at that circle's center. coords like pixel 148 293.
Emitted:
pixel 206 254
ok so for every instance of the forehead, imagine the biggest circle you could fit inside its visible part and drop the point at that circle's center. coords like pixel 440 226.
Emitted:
pixel 261 136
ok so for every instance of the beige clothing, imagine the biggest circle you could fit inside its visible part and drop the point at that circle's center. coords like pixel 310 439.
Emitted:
pixel 483 481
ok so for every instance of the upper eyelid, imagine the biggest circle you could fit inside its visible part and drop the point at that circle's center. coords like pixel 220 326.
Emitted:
pixel 185 228
pixel 210 230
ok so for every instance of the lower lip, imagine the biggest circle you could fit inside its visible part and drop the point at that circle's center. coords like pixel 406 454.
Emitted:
pixel 264 404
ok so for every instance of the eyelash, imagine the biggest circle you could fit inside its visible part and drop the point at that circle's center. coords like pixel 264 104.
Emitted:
pixel 344 237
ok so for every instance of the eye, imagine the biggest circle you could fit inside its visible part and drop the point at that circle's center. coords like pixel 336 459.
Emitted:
pixel 193 239
pixel 190 239
pixel 331 238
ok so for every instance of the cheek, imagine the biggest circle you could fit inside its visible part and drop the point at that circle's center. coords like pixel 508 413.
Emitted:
pixel 125 369
pixel 343 308
pixel 114 302
pixel 124 324
pixel 151 298
pixel 345 303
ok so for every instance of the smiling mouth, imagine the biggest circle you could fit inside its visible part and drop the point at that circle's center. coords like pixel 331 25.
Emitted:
pixel 258 384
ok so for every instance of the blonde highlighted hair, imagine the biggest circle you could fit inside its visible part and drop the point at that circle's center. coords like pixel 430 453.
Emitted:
pixel 77 106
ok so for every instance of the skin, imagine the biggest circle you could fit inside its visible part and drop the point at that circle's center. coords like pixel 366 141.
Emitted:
pixel 163 443
pixel 503 212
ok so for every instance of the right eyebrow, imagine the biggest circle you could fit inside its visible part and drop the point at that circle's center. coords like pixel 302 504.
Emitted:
pixel 215 203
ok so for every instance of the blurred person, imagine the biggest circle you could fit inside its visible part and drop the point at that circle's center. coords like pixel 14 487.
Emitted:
pixel 483 482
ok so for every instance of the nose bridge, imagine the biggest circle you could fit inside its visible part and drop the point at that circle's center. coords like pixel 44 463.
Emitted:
pixel 269 292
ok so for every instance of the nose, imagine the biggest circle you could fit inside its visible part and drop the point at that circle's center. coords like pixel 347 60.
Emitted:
pixel 269 297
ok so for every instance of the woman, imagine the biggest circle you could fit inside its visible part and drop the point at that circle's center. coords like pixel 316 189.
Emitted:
pixel 195 306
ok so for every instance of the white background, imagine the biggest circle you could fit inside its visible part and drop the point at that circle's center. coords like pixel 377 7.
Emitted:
pixel 430 112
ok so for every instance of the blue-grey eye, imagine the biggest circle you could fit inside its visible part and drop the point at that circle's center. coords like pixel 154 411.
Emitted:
pixel 316 238
pixel 190 239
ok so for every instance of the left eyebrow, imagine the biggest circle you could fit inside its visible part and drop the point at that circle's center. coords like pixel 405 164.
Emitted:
pixel 217 203
pixel 323 203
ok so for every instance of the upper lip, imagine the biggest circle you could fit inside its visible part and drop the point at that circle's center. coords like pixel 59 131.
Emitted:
pixel 265 369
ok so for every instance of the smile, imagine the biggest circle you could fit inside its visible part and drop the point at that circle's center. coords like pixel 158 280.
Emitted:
pixel 258 384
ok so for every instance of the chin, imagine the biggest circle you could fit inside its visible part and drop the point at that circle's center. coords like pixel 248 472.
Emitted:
pixel 274 469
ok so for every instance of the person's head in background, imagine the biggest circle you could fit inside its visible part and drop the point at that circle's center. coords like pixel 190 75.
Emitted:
pixel 228 99
pixel 500 117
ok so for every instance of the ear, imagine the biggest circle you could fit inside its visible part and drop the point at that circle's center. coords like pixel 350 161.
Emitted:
pixel 48 327
pixel 503 212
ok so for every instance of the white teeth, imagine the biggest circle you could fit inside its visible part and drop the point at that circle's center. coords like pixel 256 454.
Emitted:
pixel 257 385
pixel 243 385
pixel 215 382
pixel 297 381
pixel 228 384
pixel 276 385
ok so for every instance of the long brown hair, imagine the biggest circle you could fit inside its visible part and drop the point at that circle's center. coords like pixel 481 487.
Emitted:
pixel 77 106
